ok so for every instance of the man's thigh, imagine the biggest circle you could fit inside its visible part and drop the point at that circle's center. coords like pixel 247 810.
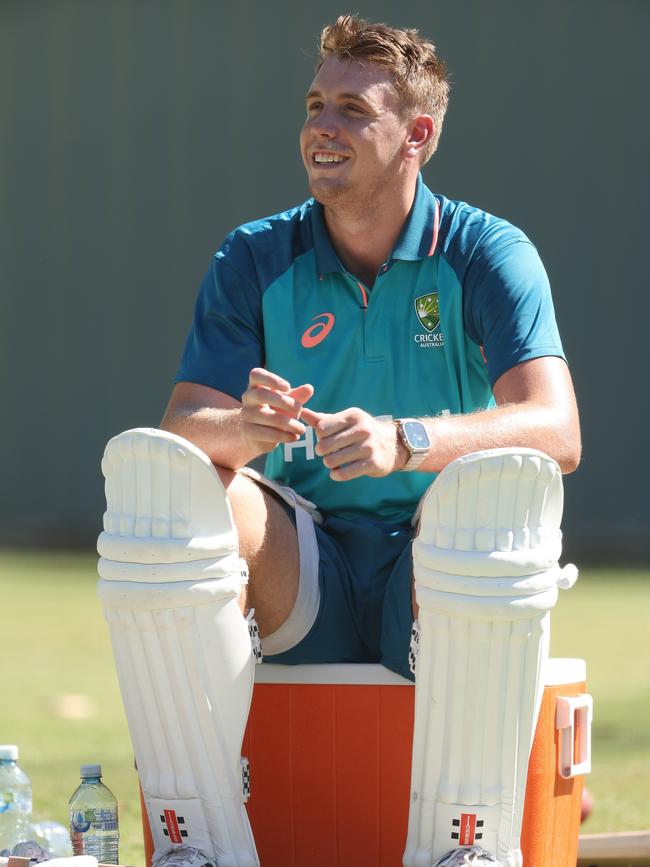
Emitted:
pixel 398 615
pixel 357 562
pixel 268 542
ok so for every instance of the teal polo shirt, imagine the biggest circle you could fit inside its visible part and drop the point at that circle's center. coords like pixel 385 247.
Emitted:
pixel 462 298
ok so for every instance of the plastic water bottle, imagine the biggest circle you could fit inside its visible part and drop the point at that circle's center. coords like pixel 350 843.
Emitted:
pixel 93 817
pixel 15 799
pixel 52 837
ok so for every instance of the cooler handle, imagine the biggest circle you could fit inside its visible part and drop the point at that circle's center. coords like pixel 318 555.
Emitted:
pixel 573 718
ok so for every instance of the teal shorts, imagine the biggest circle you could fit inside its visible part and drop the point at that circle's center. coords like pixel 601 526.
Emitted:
pixel 354 602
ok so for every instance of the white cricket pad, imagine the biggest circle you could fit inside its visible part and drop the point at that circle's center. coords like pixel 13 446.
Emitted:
pixel 170 580
pixel 486 574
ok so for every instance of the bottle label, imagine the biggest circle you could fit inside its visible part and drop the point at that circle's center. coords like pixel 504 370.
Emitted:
pixel 99 820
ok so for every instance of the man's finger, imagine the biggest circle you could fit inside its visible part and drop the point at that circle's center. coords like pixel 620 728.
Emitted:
pixel 269 417
pixel 260 433
pixel 346 452
pixel 350 471
pixel 260 376
pixel 282 401
pixel 312 418
pixel 341 441
pixel 332 423
pixel 302 393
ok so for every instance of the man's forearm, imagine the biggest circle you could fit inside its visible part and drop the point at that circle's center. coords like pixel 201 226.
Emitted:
pixel 217 432
pixel 531 426
pixel 536 408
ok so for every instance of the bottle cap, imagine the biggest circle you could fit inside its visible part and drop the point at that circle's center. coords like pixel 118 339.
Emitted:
pixel 90 771
pixel 9 751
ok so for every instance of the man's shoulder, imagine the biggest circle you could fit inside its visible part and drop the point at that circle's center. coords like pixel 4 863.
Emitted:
pixel 270 244
pixel 283 221
pixel 468 231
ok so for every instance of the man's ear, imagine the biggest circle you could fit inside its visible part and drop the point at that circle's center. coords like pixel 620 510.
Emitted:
pixel 420 132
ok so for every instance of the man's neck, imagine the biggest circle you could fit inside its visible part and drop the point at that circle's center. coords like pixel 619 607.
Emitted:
pixel 364 239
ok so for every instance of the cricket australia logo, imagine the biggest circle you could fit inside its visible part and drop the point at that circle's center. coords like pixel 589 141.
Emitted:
pixel 427 310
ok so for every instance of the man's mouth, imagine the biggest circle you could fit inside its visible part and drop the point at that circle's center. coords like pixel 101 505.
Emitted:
pixel 327 158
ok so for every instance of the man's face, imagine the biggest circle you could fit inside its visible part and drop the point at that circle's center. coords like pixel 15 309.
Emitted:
pixel 353 136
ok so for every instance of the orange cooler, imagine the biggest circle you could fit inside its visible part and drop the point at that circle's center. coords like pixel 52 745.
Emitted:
pixel 559 759
pixel 329 748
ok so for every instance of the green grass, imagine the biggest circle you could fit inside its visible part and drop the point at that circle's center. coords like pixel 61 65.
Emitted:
pixel 605 619
pixel 56 645
pixel 56 642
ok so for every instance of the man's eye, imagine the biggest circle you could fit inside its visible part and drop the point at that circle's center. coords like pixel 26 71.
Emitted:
pixel 314 106
pixel 356 108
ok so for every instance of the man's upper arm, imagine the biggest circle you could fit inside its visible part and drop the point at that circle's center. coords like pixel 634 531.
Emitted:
pixel 543 381
pixel 510 313
pixel 226 338
pixel 508 308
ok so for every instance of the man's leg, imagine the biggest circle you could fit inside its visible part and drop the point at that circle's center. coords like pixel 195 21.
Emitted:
pixel 486 577
pixel 172 583
pixel 268 543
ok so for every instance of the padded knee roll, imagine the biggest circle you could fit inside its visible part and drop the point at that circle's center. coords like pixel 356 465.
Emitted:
pixel 170 580
pixel 486 571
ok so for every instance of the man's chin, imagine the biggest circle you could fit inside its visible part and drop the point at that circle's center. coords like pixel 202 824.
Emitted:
pixel 328 191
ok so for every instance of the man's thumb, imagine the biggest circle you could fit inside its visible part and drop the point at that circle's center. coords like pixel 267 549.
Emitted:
pixel 302 393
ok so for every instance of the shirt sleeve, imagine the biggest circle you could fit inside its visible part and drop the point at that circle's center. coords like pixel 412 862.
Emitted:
pixel 508 305
pixel 226 337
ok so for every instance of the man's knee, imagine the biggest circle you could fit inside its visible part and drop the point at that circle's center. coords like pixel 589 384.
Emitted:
pixel 262 520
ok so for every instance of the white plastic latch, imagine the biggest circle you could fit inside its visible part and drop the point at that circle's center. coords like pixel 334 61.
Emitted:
pixel 573 718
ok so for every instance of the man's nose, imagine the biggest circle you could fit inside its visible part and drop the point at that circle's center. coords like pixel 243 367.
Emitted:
pixel 326 123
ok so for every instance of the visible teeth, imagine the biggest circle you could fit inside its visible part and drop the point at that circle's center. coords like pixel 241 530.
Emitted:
pixel 327 158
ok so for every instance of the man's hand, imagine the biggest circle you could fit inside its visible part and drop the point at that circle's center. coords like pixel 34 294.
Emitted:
pixel 271 410
pixel 354 443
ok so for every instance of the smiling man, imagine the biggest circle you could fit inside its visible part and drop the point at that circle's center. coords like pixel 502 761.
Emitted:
pixel 363 341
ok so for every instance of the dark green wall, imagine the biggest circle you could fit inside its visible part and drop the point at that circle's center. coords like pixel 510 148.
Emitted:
pixel 135 135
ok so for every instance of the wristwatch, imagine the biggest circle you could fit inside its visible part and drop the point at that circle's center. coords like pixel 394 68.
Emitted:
pixel 416 439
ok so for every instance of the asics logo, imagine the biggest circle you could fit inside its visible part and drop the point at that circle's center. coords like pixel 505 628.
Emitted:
pixel 315 334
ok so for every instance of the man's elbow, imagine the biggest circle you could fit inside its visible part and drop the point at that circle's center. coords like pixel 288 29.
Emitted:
pixel 178 418
pixel 569 461
pixel 569 450
pixel 170 422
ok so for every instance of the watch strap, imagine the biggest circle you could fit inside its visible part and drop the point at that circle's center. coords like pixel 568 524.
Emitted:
pixel 414 461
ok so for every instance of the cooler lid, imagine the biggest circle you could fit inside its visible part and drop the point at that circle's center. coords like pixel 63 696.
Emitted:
pixel 334 673
pixel 560 671
pixel 556 673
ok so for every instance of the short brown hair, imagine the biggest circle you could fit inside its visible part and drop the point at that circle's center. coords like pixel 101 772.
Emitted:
pixel 419 77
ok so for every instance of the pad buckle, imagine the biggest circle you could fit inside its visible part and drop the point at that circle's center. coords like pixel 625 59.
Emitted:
pixel 254 632
pixel 245 778
pixel 414 646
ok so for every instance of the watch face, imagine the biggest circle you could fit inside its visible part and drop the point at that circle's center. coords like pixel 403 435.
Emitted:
pixel 416 435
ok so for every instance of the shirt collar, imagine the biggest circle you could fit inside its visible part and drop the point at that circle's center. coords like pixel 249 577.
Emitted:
pixel 419 233
pixel 416 240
